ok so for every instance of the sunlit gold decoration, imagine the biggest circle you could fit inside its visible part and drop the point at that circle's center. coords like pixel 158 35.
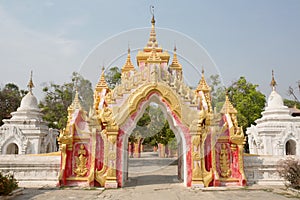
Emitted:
pixel 200 176
pixel 100 91
pixel 92 174
pixel 228 107
pixel 224 162
pixel 203 86
pixel 203 93
pixel 63 161
pixel 236 132
pixel 142 56
pixel 81 161
pixel 108 119
pixel 236 137
pixel 128 66
pixel 64 137
pixel 101 175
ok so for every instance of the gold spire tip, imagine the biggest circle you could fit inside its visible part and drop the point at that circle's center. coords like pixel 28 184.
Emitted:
pixel 152 12
pixel 273 82
pixel 30 83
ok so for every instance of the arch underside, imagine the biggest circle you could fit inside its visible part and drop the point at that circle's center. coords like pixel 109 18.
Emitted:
pixel 131 104
pixel 180 130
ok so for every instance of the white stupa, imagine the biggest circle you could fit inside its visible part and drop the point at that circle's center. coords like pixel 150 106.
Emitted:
pixel 277 132
pixel 26 132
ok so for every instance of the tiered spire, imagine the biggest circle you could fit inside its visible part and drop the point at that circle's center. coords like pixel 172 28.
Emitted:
pixel 152 39
pixel 128 66
pixel 228 107
pixel 30 84
pixel 76 103
pixel 102 82
pixel 273 82
pixel 203 86
pixel 143 56
pixel 175 64
pixel 100 91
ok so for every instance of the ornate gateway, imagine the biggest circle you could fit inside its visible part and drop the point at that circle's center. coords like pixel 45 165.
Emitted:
pixel 94 146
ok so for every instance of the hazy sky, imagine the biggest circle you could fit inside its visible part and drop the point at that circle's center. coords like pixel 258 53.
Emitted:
pixel 243 37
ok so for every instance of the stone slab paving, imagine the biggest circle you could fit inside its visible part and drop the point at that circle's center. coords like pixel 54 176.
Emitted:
pixel 155 183
pixel 156 192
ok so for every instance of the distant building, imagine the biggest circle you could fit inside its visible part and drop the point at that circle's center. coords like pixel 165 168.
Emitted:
pixel 277 132
pixel 26 132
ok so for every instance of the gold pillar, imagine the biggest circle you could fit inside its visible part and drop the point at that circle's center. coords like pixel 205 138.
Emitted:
pixel 200 176
pixel 111 179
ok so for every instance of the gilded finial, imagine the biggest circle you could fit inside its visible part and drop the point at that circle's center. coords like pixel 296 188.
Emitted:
pixel 175 64
pixel 102 82
pixel 152 12
pixel 273 82
pixel 128 66
pixel 76 103
pixel 30 83
pixel 228 107
pixel 203 86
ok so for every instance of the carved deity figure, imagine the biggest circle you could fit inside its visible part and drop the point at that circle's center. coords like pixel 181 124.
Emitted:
pixel 81 161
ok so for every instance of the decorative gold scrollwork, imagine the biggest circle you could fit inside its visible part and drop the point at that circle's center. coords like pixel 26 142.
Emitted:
pixel 224 162
pixel 64 137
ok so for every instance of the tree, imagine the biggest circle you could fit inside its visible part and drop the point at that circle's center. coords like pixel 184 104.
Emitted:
pixel 217 92
pixel 59 97
pixel 291 103
pixel 113 77
pixel 153 127
pixel 248 101
pixel 10 99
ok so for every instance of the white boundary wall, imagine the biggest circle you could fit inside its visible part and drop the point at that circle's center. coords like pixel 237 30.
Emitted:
pixel 43 170
pixel 32 170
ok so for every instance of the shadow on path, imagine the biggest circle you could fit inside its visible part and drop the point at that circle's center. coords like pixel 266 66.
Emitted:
pixel 151 180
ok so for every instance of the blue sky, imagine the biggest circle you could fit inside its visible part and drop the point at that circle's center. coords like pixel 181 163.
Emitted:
pixel 243 38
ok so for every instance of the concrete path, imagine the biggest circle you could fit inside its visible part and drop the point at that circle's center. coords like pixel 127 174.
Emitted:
pixel 152 178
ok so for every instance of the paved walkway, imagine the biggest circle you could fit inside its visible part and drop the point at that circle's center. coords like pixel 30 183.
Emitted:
pixel 150 178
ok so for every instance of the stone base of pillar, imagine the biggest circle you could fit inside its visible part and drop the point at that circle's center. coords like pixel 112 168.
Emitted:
pixel 197 184
pixel 111 184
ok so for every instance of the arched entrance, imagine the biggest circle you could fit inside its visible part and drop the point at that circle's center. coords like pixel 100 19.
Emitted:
pixel 12 148
pixel 290 147
pixel 176 125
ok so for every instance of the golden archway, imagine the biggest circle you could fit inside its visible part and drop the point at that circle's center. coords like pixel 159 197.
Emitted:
pixel 92 145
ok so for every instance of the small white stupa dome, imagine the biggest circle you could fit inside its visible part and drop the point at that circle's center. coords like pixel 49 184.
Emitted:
pixel 29 101
pixel 275 100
